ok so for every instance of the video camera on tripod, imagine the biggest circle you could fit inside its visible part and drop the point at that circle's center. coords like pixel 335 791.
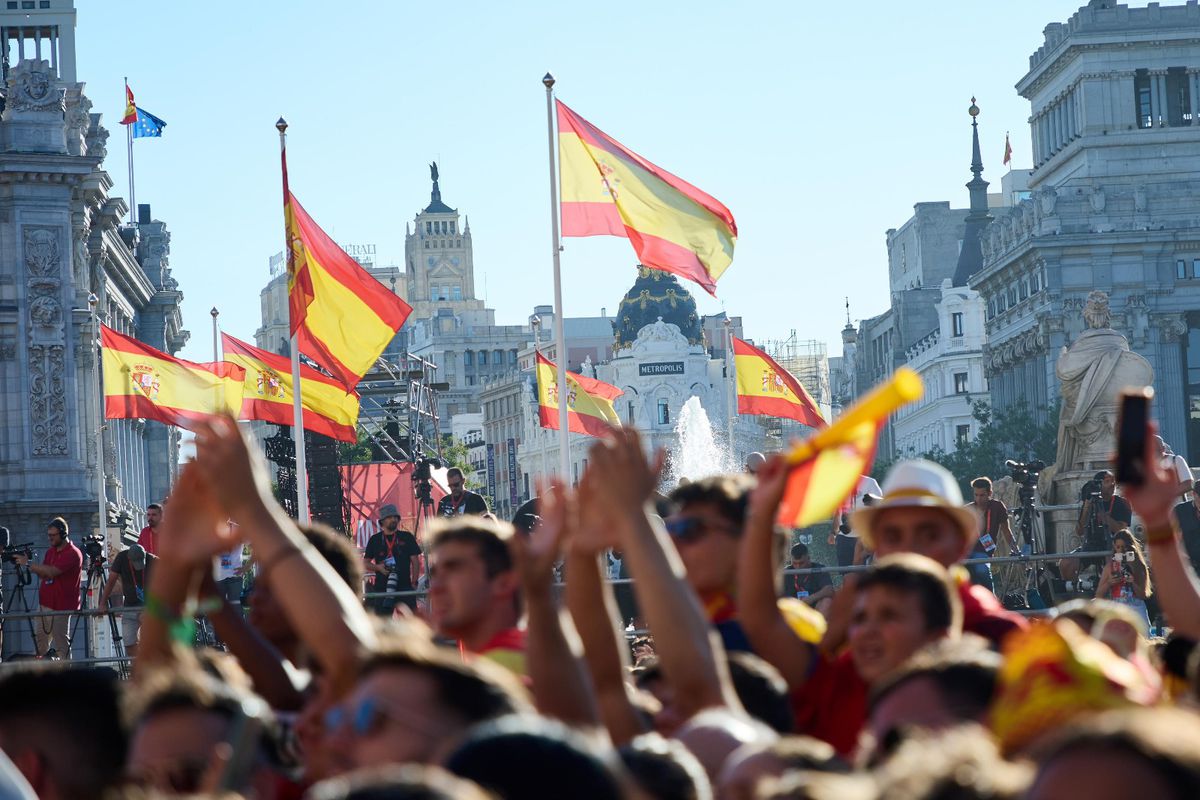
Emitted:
pixel 1025 475
pixel 10 553
pixel 93 547
pixel 422 478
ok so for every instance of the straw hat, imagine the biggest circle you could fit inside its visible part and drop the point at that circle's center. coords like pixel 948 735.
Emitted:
pixel 918 483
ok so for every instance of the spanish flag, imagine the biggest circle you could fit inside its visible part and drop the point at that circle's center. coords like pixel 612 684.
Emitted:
pixel 764 387
pixel 589 401
pixel 343 316
pixel 328 408
pixel 827 465
pixel 143 383
pixel 130 108
pixel 608 190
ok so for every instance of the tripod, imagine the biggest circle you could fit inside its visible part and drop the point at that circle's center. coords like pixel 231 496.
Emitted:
pixel 1033 537
pixel 97 576
pixel 17 601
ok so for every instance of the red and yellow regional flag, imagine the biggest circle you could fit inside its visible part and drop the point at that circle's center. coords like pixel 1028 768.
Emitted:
pixel 608 190
pixel 143 383
pixel 589 402
pixel 764 387
pixel 328 408
pixel 343 316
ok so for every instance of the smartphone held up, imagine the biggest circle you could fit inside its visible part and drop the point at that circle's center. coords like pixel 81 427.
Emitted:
pixel 1131 435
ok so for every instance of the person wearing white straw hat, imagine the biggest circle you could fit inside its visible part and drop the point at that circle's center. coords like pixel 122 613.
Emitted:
pixel 922 512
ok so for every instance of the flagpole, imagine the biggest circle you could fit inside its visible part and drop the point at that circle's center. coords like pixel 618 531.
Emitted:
pixel 216 351
pixel 730 383
pixel 297 407
pixel 129 141
pixel 101 505
pixel 564 452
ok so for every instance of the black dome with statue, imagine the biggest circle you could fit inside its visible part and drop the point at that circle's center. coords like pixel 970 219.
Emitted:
pixel 656 294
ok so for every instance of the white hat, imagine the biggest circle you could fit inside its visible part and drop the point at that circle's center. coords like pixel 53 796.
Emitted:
pixel 918 483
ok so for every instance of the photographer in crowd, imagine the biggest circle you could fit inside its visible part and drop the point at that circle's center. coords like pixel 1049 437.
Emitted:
pixel 394 558
pixel 1103 514
pixel 460 501
pixel 132 568
pixel 995 533
pixel 60 572
pixel 1126 578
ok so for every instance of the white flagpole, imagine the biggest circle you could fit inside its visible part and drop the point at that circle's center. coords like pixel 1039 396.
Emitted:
pixel 564 444
pixel 297 407
pixel 730 383
pixel 129 141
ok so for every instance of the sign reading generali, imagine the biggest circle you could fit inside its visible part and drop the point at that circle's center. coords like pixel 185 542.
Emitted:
pixel 661 368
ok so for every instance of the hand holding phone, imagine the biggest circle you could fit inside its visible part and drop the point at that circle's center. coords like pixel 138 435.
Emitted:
pixel 1131 436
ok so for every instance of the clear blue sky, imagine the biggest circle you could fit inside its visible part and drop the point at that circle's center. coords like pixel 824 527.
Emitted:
pixel 818 125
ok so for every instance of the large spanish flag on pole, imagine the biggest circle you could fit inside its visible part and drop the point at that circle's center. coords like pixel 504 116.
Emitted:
pixel 589 401
pixel 342 315
pixel 764 387
pixel 827 466
pixel 143 383
pixel 608 190
pixel 328 407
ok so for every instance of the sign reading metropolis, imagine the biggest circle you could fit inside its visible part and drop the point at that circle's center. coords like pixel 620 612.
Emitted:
pixel 661 368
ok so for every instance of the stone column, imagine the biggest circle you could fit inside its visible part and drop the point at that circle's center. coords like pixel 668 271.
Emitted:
pixel 1069 105
pixel 1170 395
pixel 1158 96
pixel 1193 81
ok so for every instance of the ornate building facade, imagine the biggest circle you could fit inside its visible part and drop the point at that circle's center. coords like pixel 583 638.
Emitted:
pixel 63 239
pixel 1114 97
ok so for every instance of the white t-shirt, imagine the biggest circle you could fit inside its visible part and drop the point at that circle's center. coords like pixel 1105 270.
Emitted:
pixel 866 485
pixel 228 564
pixel 1180 465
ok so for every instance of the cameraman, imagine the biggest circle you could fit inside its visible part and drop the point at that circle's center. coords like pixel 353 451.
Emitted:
pixel 1104 513
pixel 60 572
pixel 460 501
pixel 132 567
pixel 995 532
pixel 394 557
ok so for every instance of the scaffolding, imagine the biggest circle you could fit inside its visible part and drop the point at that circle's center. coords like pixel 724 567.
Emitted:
pixel 808 361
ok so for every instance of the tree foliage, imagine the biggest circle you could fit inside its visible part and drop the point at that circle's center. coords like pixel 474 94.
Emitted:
pixel 1012 433
pixel 357 453
pixel 456 454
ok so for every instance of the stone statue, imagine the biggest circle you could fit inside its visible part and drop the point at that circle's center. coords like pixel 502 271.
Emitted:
pixel 1093 371
pixel 433 173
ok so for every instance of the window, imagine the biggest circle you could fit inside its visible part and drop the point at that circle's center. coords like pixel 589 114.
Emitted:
pixel 1142 98
pixel 426 245
pixel 456 293
pixel 1180 269
pixel 1195 267
pixel 1035 283
pixel 1024 288
pixel 429 227
pixel 956 324
pixel 1179 103
pixel 960 383
pixel 458 242
pixel 470 380
pixel 498 357
pixel 468 359
pixel 664 413
pixel 629 418
pixel 962 434
pixel 483 358
pixel 452 227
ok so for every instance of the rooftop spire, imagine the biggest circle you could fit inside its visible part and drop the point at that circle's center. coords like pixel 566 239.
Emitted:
pixel 436 206
pixel 970 257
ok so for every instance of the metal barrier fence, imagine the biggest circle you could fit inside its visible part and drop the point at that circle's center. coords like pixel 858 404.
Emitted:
pixel 17 639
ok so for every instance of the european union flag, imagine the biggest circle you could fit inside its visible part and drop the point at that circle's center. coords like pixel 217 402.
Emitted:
pixel 147 125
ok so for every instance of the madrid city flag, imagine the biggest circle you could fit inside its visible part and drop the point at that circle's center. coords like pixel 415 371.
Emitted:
pixel 342 315
pixel 764 387
pixel 329 408
pixel 608 190
pixel 143 383
pixel 589 401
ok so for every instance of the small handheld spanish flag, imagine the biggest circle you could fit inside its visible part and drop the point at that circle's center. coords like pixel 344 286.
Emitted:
pixel 589 401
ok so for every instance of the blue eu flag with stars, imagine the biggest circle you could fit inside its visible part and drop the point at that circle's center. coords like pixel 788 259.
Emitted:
pixel 147 125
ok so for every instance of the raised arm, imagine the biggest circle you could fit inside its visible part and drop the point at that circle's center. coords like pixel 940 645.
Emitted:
pixel 1175 582
pixel 561 688
pixel 324 611
pixel 686 646
pixel 763 622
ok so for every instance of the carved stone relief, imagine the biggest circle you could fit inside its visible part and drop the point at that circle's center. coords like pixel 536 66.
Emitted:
pixel 47 396
pixel 47 368
pixel 33 87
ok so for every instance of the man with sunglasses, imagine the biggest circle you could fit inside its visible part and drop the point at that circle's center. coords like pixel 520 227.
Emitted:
pixel 460 501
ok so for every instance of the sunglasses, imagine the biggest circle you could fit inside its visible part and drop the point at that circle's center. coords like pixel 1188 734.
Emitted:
pixel 690 529
pixel 369 714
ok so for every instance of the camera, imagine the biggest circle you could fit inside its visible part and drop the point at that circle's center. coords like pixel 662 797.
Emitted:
pixel 1025 474
pixel 1119 557
pixel 421 477
pixel 10 553
pixel 1090 491
pixel 93 547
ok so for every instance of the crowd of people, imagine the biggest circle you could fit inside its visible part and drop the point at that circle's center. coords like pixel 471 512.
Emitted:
pixel 909 679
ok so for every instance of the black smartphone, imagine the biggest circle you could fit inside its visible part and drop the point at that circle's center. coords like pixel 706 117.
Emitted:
pixel 1131 435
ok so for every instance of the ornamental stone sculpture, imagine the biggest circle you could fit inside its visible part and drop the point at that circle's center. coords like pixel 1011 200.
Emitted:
pixel 1093 371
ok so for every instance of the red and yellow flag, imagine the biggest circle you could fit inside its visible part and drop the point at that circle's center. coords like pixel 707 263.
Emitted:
pixel 1007 149
pixel 143 383
pixel 589 401
pixel 328 408
pixel 130 108
pixel 343 316
pixel 608 190
pixel 827 465
pixel 764 387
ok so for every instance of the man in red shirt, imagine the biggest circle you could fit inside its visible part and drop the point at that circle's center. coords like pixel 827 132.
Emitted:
pixel 474 589
pixel 148 538
pixel 59 591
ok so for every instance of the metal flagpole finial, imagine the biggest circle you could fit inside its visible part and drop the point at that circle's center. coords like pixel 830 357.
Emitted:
pixel 281 125
pixel 214 312
pixel 93 300
pixel 548 81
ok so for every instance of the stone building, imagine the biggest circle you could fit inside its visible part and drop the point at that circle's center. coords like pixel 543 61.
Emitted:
pixel 63 237
pixel 1114 96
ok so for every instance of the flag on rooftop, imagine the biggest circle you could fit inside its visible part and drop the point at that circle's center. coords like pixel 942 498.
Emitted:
pixel 589 401
pixel 342 315
pixel 329 408
pixel 765 387
pixel 608 190
pixel 141 382
pixel 130 107
pixel 147 125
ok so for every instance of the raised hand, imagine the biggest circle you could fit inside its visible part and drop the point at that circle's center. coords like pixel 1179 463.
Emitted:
pixel 624 478
pixel 536 554
pixel 1154 500
pixel 235 470
pixel 194 527
pixel 772 481
pixel 596 528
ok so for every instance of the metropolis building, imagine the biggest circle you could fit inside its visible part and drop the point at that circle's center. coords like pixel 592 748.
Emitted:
pixel 63 237
pixel 1115 100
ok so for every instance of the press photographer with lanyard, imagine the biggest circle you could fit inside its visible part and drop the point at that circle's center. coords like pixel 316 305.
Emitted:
pixel 1104 513
pixel 995 533
pixel 460 501
pixel 394 557
pixel 132 568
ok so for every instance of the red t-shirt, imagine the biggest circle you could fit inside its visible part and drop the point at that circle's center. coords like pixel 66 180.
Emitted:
pixel 61 593
pixel 147 540
pixel 506 648
pixel 984 616
pixel 832 703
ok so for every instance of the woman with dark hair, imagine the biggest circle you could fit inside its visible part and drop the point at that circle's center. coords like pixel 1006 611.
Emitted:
pixel 1125 578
